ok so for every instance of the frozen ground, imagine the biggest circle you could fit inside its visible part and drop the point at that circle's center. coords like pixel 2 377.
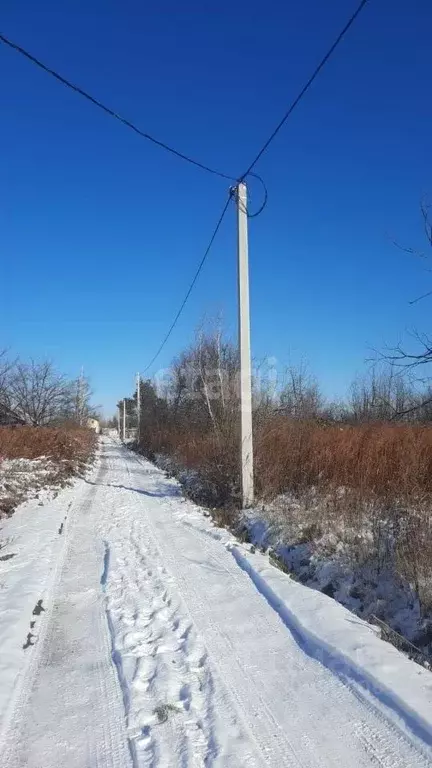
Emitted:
pixel 22 479
pixel 161 641
pixel 340 559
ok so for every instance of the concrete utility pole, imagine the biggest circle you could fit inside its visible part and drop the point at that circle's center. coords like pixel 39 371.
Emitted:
pixel 138 389
pixel 124 419
pixel 118 421
pixel 245 351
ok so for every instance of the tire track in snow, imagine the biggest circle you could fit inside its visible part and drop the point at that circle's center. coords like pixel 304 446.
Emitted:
pixel 29 670
pixel 376 745
pixel 274 745
pixel 116 657
pixel 70 713
pixel 212 710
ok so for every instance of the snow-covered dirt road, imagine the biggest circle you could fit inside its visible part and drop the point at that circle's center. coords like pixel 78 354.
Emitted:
pixel 165 643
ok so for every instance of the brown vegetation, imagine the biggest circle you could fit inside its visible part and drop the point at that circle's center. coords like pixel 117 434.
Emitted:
pixel 72 446
pixel 391 462
pixel 37 458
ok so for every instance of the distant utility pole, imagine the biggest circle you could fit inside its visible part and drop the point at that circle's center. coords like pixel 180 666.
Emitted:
pixel 138 389
pixel 118 421
pixel 245 349
pixel 124 419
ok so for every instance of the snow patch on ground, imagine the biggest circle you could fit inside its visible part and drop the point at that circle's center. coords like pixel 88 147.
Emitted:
pixel 24 479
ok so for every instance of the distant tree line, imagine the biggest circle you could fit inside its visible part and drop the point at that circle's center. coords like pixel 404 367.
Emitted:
pixel 199 394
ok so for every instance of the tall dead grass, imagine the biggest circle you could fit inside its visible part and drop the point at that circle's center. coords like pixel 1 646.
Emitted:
pixel 383 461
pixel 389 462
pixel 72 446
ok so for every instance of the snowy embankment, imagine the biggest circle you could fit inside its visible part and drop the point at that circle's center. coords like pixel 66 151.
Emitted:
pixel 339 561
pixel 36 461
pixel 22 479
pixel 332 555
pixel 166 642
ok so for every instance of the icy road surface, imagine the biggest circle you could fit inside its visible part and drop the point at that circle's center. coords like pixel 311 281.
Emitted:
pixel 163 642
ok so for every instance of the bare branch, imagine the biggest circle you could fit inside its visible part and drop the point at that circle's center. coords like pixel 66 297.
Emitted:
pixel 425 208
pixel 419 298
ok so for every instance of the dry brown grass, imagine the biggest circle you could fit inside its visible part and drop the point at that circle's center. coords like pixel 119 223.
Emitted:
pixel 212 456
pixel 381 460
pixel 53 455
pixel 385 461
pixel 74 446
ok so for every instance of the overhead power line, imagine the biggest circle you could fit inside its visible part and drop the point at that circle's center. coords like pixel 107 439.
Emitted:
pixel 306 87
pixel 188 159
pixel 195 278
pixel 252 165
pixel 110 111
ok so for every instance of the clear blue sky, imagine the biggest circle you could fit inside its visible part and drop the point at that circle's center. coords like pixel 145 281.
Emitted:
pixel 101 231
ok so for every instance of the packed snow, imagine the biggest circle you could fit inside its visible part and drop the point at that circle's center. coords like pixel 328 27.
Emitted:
pixel 157 639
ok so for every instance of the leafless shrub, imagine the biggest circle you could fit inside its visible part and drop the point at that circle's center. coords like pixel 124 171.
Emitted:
pixel 414 554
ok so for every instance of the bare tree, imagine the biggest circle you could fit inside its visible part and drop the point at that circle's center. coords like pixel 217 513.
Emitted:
pixel 398 355
pixel 415 361
pixel 384 394
pixel 208 351
pixel 425 210
pixel 265 389
pixel 300 397
pixel 6 367
pixel 37 393
pixel 204 382
pixel 77 405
